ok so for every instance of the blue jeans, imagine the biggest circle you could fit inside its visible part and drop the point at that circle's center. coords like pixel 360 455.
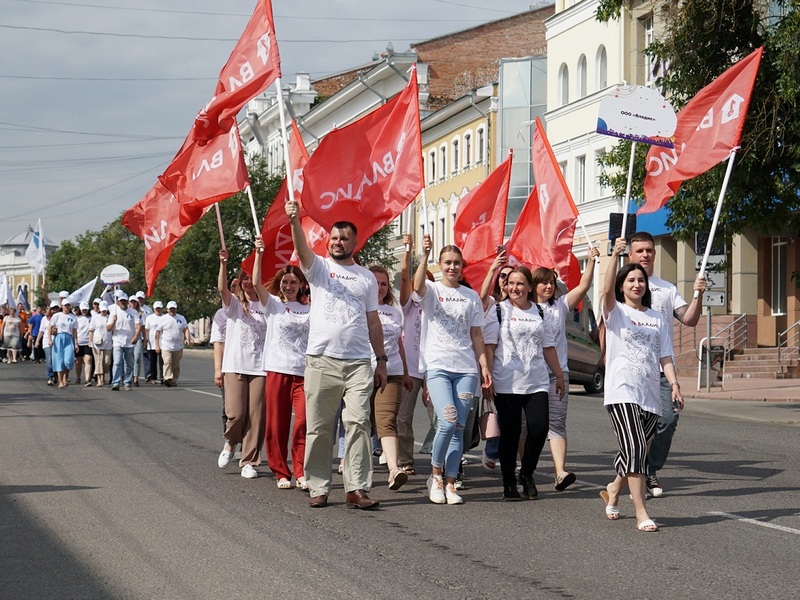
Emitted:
pixel 452 395
pixel 48 361
pixel 667 424
pixel 138 359
pixel 123 363
pixel 492 448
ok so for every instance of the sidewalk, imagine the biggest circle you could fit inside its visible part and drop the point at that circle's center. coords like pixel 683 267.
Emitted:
pixel 740 388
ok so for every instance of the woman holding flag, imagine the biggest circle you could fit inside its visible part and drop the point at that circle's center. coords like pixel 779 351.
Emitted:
pixel 451 340
pixel 556 310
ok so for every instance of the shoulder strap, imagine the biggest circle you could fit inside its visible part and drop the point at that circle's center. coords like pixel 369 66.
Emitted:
pixel 499 313
pixel 541 312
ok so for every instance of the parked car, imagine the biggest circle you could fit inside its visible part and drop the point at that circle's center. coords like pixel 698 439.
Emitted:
pixel 586 366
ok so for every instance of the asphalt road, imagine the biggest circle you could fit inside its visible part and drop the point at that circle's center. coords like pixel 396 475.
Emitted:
pixel 117 495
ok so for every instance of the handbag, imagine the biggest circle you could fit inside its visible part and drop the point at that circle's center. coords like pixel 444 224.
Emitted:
pixel 97 338
pixel 489 426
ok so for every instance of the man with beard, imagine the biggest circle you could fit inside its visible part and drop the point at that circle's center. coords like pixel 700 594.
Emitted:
pixel 344 331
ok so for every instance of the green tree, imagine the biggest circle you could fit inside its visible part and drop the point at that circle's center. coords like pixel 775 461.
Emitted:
pixel 190 278
pixel 702 39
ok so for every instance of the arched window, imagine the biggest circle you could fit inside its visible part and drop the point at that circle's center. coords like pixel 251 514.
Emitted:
pixel 582 76
pixel 563 85
pixel 602 68
pixel 443 163
pixel 479 146
pixel 454 155
pixel 467 150
pixel 432 167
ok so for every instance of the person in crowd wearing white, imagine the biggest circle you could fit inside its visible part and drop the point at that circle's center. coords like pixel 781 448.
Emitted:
pixel 452 319
pixel 64 331
pixel 668 301
pixel 83 358
pixel 412 332
pixel 45 341
pixel 344 332
pixel 524 348
pixel 242 370
pixel 219 326
pixel 139 341
pixel 557 309
pixel 386 402
pixel 125 326
pixel 146 310
pixel 100 341
pixel 155 371
pixel 12 334
pixel 286 304
pixel 172 334
pixel 638 344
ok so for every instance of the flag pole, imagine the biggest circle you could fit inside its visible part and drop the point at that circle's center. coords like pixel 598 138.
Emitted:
pixel 285 138
pixel 249 191
pixel 219 226
pixel 588 239
pixel 627 200
pixel 717 212
pixel 424 213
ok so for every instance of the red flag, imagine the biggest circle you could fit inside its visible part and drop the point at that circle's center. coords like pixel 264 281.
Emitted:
pixel 200 176
pixel 526 245
pixel 558 214
pixel 252 67
pixel 709 127
pixel 480 222
pixel 276 231
pixel 370 170
pixel 155 219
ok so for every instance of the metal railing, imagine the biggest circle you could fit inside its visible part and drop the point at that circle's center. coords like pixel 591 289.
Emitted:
pixel 735 334
pixel 784 338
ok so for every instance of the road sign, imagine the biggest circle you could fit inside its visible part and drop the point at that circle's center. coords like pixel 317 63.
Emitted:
pixel 716 281
pixel 714 260
pixel 714 298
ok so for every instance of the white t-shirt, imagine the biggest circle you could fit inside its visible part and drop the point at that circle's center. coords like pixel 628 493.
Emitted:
pixel 447 316
pixel 44 328
pixel 146 311
pixel 219 324
pixel 636 341
pixel 98 326
pixel 287 336
pixel 246 332
pixel 343 295
pixel 64 322
pixel 150 325
pixel 412 333
pixel 125 327
pixel 664 298
pixel 519 366
pixel 83 330
pixel 172 329
pixel 392 325
pixel 556 315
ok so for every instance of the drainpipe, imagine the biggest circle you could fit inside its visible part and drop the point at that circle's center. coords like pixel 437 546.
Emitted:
pixel 363 82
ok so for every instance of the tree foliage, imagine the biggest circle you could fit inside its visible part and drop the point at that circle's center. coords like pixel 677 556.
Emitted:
pixel 702 39
pixel 190 278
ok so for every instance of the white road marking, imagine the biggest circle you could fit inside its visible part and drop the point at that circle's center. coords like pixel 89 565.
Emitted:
pixel 202 392
pixel 755 522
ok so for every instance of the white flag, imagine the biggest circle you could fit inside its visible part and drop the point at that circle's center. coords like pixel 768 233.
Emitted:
pixel 6 294
pixel 83 294
pixel 35 252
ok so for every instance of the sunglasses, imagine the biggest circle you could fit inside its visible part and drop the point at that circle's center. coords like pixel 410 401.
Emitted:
pixel 503 276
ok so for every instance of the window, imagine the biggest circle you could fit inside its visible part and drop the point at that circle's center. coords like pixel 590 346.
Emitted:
pixel 454 152
pixel 648 37
pixel 480 148
pixel 563 166
pixel 582 76
pixel 599 190
pixel 778 276
pixel 443 163
pixel 563 85
pixel 467 150
pixel 432 167
pixel 580 179
pixel 442 234
pixel 432 232
pixel 601 66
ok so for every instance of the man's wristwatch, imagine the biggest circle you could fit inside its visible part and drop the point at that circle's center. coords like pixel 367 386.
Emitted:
pixel 382 357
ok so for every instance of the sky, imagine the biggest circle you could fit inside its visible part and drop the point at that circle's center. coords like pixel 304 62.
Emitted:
pixel 97 96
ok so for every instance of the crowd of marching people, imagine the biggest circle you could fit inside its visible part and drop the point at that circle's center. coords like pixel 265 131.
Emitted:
pixel 330 343
pixel 117 340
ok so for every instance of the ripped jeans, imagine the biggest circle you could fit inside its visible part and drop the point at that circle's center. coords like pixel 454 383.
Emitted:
pixel 452 396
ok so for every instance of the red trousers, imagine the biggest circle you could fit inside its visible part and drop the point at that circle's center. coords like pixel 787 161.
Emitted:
pixel 284 393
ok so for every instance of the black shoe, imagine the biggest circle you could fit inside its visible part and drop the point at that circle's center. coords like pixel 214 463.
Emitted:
pixel 135 384
pixel 511 493
pixel 115 388
pixel 529 490
pixel 168 382
pixel 148 378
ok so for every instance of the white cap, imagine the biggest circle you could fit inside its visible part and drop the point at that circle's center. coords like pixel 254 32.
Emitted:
pixel 158 304
pixel 63 294
pixel 54 304
pixel 84 306
pixel 66 301
pixel 97 301
pixel 172 304
pixel 103 306
pixel 141 295
pixel 120 295
pixel 133 298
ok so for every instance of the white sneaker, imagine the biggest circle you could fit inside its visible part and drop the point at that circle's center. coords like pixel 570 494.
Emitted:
pixel 436 489
pixel 224 458
pixel 249 472
pixel 451 495
pixel 382 459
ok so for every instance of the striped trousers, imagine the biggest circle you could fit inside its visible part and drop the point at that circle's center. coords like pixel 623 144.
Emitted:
pixel 635 429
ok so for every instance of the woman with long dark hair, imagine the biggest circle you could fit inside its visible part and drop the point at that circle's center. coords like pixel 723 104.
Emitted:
pixel 638 348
